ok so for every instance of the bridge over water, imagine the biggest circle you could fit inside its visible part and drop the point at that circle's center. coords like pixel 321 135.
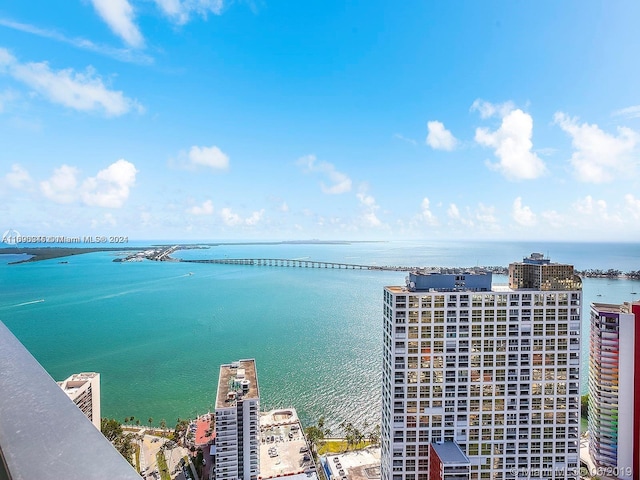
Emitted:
pixel 284 262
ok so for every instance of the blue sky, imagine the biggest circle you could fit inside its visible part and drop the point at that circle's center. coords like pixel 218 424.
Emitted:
pixel 218 119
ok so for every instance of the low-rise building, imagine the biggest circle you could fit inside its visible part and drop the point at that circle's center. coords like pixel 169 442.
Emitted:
pixel 356 465
pixel 284 450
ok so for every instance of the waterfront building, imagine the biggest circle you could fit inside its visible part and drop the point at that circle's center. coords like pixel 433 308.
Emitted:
pixel 237 422
pixel 614 389
pixel 284 451
pixel 355 465
pixel 493 369
pixel 84 390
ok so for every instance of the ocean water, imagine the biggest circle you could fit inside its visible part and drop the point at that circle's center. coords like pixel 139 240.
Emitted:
pixel 157 332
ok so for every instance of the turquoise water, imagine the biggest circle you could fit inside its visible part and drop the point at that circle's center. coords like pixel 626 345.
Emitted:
pixel 158 332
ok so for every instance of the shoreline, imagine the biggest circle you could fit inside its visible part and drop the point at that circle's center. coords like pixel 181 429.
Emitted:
pixel 48 253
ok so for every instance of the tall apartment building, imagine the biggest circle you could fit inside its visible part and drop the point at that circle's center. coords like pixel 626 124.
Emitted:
pixel 614 389
pixel 237 422
pixel 493 371
pixel 84 390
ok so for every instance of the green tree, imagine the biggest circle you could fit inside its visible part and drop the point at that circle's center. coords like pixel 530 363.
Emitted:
pixel 150 421
pixel 349 433
pixel 163 424
pixel 315 434
pixel 374 435
pixel 199 458
pixel 181 429
pixel 112 430
pixel 584 405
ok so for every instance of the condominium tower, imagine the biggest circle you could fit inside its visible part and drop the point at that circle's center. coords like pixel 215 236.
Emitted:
pixel 490 372
pixel 237 422
pixel 614 389
pixel 84 390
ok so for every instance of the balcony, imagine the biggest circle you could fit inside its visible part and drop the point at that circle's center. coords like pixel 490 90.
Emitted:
pixel 42 433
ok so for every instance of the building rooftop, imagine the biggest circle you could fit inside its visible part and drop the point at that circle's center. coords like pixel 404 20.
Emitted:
pixel 608 307
pixel 283 448
pixel 238 380
pixel 357 465
pixel 449 452
pixel 613 308
pixel 204 433
pixel 423 280
pixel 72 384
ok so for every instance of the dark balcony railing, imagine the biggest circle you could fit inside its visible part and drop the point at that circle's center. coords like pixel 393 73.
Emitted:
pixel 42 433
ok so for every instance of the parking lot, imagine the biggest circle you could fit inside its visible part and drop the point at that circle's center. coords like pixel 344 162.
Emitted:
pixel 283 450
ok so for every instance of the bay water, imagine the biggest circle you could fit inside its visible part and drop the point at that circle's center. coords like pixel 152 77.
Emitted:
pixel 158 331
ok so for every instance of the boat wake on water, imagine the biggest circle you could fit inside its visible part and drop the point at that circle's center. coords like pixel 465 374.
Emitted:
pixel 29 303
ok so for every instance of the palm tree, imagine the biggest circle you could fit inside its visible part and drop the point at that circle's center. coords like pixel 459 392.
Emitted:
pixel 150 421
pixel 349 433
pixel 374 435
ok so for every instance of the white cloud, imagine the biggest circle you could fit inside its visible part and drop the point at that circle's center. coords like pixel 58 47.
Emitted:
pixel 229 218
pixel 589 206
pixel 598 156
pixel 205 209
pixel 633 205
pixel 512 145
pixel 62 186
pixel 110 187
pixel 119 16
pixel 426 216
pixel 232 219
pixel 591 213
pixel 341 183
pixel 6 59
pixel 439 138
pixel 369 206
pixel 284 207
pixel 481 218
pixel 453 212
pixel 399 136
pixel 18 178
pixel 522 214
pixel 180 10
pixel 628 112
pixel 211 157
pixel 553 218
pixel 6 97
pixel 486 215
pixel 80 91
pixel 455 216
pixel 255 218
pixel 107 220
pixel 122 54
pixel 487 109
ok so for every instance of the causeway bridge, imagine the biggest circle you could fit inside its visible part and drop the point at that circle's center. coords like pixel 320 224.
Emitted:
pixel 284 262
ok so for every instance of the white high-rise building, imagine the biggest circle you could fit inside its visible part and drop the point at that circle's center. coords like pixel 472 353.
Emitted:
pixel 84 390
pixel 491 370
pixel 237 422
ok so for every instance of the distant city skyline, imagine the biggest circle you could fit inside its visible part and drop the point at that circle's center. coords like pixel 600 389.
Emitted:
pixel 212 119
